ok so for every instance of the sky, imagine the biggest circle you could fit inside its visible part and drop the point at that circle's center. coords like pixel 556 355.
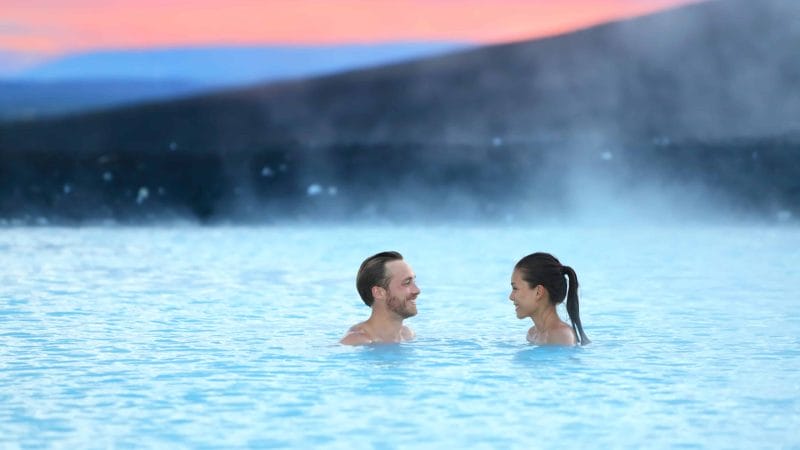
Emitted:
pixel 54 27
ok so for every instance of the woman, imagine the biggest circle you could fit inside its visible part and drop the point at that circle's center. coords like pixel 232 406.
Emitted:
pixel 538 284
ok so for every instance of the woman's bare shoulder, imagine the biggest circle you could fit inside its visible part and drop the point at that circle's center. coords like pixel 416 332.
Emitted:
pixel 531 336
pixel 562 335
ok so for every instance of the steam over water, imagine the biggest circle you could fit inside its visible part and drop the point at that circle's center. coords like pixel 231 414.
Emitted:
pixel 690 112
pixel 227 337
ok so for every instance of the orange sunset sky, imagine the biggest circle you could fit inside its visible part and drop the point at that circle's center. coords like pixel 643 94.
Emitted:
pixel 53 27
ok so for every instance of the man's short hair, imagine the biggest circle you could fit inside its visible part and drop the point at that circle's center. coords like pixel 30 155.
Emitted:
pixel 373 273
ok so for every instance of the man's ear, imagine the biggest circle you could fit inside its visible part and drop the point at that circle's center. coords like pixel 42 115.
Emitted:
pixel 378 292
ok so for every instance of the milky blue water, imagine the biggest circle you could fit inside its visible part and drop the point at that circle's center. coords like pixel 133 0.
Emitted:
pixel 191 337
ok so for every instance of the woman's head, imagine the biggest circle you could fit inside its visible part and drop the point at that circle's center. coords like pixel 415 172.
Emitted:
pixel 544 271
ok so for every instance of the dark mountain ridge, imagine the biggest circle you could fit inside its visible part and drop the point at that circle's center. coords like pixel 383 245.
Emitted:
pixel 30 100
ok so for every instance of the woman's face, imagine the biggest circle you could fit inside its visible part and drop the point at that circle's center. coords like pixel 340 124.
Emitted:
pixel 526 299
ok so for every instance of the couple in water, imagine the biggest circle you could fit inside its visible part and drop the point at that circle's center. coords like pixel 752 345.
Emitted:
pixel 387 284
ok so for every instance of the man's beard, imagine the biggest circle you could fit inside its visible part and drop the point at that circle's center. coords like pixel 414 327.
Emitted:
pixel 404 309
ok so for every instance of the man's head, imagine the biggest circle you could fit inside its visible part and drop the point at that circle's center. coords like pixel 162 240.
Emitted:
pixel 386 277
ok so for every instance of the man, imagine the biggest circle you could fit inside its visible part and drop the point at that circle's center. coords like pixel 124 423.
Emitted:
pixel 387 284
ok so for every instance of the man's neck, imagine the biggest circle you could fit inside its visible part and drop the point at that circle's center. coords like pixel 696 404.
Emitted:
pixel 384 328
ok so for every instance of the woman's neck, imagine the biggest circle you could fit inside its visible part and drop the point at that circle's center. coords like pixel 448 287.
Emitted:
pixel 546 320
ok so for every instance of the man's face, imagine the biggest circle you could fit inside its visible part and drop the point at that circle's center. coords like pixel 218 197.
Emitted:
pixel 403 291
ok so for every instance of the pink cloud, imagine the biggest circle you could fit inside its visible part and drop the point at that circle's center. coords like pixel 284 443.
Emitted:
pixel 93 24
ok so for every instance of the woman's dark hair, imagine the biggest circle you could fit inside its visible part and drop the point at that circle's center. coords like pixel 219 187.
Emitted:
pixel 545 269
pixel 373 273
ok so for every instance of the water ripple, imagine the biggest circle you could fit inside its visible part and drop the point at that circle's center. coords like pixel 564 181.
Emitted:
pixel 226 337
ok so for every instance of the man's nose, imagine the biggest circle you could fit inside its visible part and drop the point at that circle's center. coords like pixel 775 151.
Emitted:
pixel 417 290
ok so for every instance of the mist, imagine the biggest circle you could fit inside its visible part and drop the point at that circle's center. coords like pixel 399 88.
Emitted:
pixel 687 116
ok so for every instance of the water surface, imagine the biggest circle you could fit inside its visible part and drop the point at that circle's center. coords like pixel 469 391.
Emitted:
pixel 226 337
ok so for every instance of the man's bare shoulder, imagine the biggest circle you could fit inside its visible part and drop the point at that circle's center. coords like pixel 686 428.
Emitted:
pixel 407 333
pixel 356 335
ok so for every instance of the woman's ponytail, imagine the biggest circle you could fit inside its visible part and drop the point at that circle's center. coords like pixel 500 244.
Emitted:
pixel 573 308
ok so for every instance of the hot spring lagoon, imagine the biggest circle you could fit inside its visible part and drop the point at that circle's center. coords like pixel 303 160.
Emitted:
pixel 191 337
